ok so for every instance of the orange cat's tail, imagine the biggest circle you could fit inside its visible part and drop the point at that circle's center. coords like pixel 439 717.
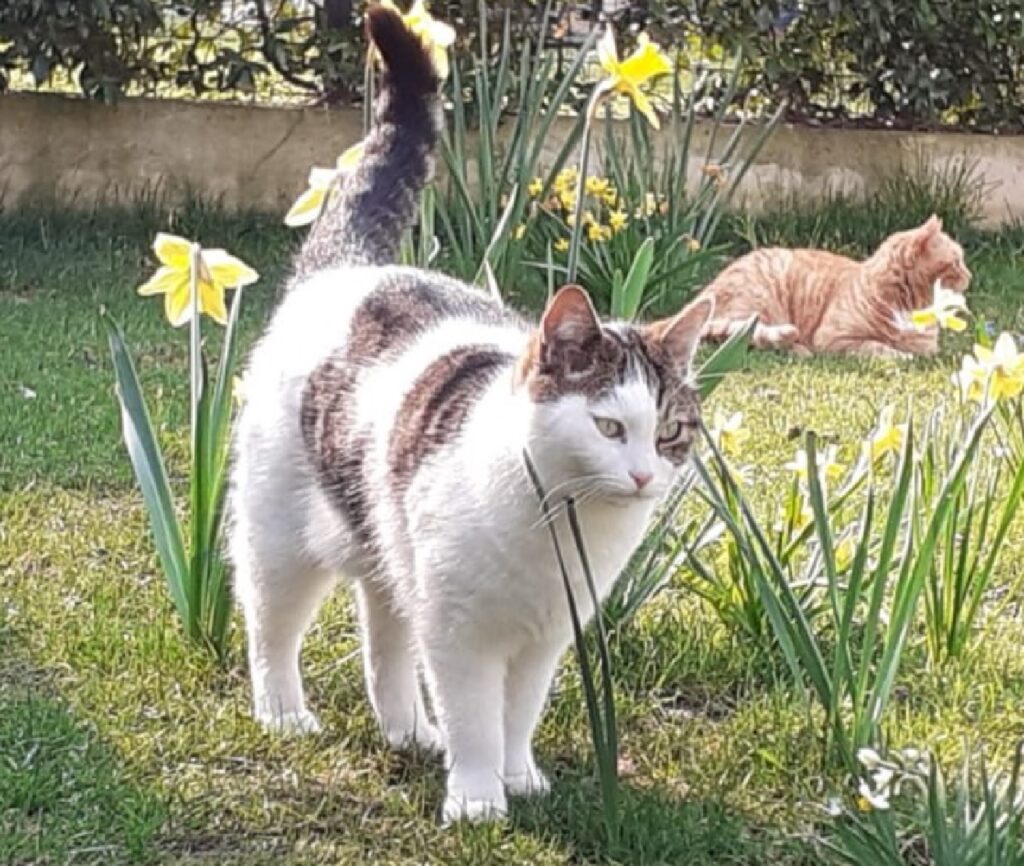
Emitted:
pixel 764 336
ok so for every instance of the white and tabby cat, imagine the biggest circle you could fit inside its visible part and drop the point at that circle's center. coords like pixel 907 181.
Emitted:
pixel 382 442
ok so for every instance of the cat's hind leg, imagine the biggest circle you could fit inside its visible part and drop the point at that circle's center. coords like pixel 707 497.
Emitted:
pixel 777 337
pixel 279 596
pixel 389 662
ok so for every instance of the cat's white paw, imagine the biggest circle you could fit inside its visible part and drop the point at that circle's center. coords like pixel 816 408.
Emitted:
pixel 294 723
pixel 424 736
pixel 459 807
pixel 529 782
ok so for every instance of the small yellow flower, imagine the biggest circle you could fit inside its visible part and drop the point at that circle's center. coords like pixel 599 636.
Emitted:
pixel 886 437
pixel 567 198
pixel 626 76
pixel 536 187
pixel 717 173
pixel 992 374
pixel 944 312
pixel 596 186
pixel 566 179
pixel 829 467
pixel 562 245
pixel 307 206
pixel 845 551
pixel 617 220
pixel 437 36
pixel 519 231
pixel 610 196
pixel 729 433
pixel 649 207
pixel 218 272
pixel 693 245
pixel 598 233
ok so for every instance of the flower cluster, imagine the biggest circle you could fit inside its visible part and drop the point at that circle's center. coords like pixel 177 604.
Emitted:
pixel 605 212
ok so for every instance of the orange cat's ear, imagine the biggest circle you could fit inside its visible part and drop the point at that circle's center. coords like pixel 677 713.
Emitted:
pixel 928 230
pixel 569 317
pixel 680 335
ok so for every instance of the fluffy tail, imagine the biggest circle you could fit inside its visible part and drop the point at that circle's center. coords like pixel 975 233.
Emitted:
pixel 363 220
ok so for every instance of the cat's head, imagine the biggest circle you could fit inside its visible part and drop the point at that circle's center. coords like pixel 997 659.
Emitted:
pixel 930 255
pixel 615 412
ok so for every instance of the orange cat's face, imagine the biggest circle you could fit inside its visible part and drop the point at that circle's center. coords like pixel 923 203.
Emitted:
pixel 933 255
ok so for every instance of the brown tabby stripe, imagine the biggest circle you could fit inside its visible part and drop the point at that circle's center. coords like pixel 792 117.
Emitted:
pixel 383 324
pixel 337 449
pixel 435 409
pixel 404 307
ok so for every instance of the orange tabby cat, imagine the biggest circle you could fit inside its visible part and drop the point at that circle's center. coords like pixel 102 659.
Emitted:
pixel 811 301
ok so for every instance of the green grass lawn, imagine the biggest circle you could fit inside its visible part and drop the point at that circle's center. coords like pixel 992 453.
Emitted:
pixel 120 745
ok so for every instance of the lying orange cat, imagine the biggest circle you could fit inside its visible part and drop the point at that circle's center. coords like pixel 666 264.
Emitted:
pixel 811 301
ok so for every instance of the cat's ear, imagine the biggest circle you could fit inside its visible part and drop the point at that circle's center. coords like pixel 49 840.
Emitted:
pixel 929 229
pixel 680 335
pixel 570 317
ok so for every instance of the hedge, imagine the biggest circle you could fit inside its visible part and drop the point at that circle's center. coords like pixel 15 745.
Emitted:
pixel 928 62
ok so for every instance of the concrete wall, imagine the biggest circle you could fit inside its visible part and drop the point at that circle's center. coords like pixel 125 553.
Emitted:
pixel 259 157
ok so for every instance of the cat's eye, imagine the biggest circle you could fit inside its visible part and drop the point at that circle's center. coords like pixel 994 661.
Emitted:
pixel 611 428
pixel 671 431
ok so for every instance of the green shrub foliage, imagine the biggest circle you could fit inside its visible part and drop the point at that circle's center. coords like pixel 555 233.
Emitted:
pixel 930 62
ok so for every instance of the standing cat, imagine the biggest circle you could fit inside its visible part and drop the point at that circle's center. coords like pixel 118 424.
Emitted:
pixel 811 301
pixel 382 440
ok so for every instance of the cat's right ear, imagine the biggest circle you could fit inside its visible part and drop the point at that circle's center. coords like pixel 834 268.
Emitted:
pixel 570 317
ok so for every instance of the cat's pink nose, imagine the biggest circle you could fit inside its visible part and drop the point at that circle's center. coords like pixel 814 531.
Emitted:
pixel 641 479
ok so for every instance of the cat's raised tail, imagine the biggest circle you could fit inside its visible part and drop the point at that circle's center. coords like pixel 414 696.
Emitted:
pixel 363 220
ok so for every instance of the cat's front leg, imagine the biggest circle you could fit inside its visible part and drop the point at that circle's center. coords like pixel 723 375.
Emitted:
pixel 466 682
pixel 526 689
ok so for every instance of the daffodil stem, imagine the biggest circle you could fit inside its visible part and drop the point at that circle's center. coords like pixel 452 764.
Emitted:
pixel 194 336
pixel 581 189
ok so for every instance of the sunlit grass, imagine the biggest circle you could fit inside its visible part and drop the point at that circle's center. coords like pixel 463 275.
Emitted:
pixel 723 764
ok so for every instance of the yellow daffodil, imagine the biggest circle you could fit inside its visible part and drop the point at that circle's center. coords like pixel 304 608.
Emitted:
pixel 596 186
pixel 717 173
pixel 519 231
pixel 887 437
pixel 626 76
pixel 828 465
pixel 567 198
pixel 845 551
pixel 536 187
pixel 562 245
pixel 218 272
pixel 437 36
pixel 307 206
pixel 566 179
pixel 944 311
pixel 729 433
pixel 649 207
pixel 598 233
pixel 610 196
pixel 617 220
pixel 992 374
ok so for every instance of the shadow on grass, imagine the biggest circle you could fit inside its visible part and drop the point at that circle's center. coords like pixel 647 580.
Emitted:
pixel 656 826
pixel 63 796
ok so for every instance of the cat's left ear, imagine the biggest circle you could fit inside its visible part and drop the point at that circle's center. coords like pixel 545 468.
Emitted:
pixel 928 230
pixel 680 335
